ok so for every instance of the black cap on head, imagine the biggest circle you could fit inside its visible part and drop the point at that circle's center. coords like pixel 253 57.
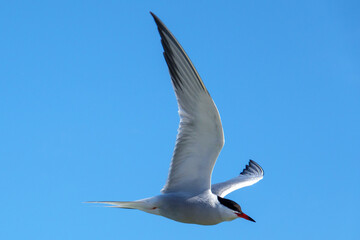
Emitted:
pixel 229 204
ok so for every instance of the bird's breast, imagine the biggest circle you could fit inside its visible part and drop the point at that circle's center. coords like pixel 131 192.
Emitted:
pixel 196 210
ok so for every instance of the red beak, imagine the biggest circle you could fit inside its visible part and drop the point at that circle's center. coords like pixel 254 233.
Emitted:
pixel 243 215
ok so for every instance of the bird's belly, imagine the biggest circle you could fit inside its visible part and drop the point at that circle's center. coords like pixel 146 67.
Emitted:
pixel 195 213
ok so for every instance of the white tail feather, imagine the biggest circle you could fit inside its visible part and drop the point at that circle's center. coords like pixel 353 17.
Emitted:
pixel 118 204
pixel 146 205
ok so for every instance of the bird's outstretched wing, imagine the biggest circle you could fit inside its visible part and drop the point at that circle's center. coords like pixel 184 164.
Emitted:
pixel 249 176
pixel 200 135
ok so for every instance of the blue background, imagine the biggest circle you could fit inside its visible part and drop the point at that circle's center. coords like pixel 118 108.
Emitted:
pixel 87 112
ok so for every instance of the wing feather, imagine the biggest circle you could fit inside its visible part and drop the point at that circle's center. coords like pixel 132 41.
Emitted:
pixel 249 176
pixel 200 135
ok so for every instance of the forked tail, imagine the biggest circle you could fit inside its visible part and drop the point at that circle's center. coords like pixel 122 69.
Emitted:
pixel 118 204
pixel 146 205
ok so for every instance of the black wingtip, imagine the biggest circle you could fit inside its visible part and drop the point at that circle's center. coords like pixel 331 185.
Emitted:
pixel 157 20
pixel 252 168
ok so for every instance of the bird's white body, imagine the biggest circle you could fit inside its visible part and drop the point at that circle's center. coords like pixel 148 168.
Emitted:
pixel 203 209
pixel 188 195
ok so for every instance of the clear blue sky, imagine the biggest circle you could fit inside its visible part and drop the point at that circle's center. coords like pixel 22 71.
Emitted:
pixel 87 112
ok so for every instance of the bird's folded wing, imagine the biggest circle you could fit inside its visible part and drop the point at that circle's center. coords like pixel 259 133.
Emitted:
pixel 249 176
pixel 200 135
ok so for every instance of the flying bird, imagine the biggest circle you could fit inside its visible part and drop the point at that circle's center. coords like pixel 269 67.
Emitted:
pixel 188 195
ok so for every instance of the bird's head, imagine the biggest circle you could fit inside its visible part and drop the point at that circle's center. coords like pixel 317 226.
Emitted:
pixel 234 207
